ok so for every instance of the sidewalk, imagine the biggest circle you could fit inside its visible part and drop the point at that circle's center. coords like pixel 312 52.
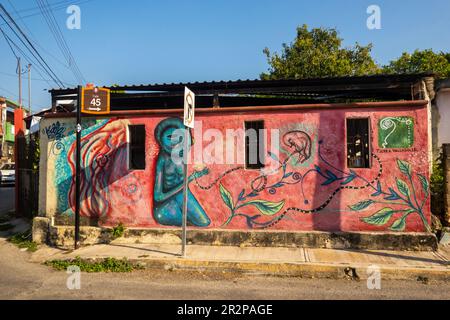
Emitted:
pixel 302 262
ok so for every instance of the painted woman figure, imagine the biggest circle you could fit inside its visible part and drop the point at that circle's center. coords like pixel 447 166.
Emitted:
pixel 169 178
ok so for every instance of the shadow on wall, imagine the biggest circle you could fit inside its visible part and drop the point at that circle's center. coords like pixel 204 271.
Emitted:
pixel 331 163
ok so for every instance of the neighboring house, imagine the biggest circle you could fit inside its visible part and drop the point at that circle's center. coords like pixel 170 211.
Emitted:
pixel 441 114
pixel 7 130
pixel 329 161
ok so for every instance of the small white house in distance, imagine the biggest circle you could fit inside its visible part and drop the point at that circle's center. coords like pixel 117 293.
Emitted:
pixel 442 119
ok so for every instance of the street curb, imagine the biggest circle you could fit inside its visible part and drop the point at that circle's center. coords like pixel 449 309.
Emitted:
pixel 303 270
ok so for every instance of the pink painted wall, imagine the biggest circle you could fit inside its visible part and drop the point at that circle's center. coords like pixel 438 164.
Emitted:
pixel 319 194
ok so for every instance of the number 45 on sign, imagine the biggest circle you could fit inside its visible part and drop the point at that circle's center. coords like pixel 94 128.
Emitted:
pixel 95 100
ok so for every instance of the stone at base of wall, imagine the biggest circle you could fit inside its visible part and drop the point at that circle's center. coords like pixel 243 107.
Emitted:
pixel 40 230
pixel 62 236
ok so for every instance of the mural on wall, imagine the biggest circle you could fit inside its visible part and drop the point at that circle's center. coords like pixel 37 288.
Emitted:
pixel 309 180
pixel 396 132
pixel 55 133
pixel 330 176
pixel 406 197
pixel 106 183
pixel 104 155
pixel 169 177
pixel 299 142
pixel 299 138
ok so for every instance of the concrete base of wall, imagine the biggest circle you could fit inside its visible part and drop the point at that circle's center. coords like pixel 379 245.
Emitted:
pixel 62 236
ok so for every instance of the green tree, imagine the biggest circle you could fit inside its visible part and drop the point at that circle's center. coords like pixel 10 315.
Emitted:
pixel 319 53
pixel 421 61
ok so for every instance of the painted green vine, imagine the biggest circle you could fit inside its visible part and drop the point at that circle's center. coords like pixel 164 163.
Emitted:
pixel 405 195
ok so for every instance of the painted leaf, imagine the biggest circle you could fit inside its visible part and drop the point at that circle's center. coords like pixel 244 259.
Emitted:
pixel 393 196
pixel 273 156
pixel 328 181
pixel 331 175
pixel 379 191
pixel 250 220
pixel 350 178
pixel 319 171
pixel 379 218
pixel 278 185
pixel 403 187
pixel 226 197
pixel 404 167
pixel 267 208
pixel 241 195
pixel 400 224
pixel 287 175
pixel 424 183
pixel 361 205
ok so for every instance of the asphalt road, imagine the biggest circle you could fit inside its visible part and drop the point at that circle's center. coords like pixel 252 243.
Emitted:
pixel 21 279
pixel 6 199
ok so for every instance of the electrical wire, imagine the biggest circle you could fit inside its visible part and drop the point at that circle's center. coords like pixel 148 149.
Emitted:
pixel 33 38
pixel 54 7
pixel 34 79
pixel 9 44
pixel 60 40
pixel 38 68
pixel 33 50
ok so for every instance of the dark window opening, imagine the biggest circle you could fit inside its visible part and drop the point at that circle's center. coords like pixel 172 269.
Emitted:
pixel 136 147
pixel 254 144
pixel 358 143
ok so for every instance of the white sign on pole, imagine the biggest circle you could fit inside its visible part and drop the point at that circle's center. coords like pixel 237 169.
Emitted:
pixel 189 108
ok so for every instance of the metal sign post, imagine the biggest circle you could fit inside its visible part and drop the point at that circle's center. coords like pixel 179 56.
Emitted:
pixel 189 111
pixel 94 101
pixel 78 169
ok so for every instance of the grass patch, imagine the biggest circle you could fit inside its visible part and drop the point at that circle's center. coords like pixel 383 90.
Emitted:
pixel 105 265
pixel 23 240
pixel 117 231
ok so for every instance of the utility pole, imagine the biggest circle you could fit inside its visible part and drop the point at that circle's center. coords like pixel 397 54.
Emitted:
pixel 29 88
pixel 19 71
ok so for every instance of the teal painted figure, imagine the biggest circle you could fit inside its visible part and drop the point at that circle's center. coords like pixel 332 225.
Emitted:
pixel 169 178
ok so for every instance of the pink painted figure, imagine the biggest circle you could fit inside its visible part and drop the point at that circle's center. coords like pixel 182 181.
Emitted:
pixel 300 142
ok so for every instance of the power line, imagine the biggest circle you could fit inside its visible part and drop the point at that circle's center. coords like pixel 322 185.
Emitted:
pixel 60 40
pixel 53 6
pixel 29 60
pixel 9 43
pixel 33 38
pixel 27 40
pixel 34 51
pixel 35 79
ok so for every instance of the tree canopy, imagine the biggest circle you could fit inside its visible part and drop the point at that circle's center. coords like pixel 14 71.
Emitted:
pixel 421 61
pixel 319 52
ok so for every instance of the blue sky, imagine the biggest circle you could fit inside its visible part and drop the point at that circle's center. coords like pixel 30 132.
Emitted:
pixel 137 41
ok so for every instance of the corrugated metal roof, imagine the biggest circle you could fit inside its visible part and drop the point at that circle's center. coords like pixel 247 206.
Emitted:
pixel 258 83
pixel 263 92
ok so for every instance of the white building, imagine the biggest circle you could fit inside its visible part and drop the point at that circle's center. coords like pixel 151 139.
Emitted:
pixel 441 114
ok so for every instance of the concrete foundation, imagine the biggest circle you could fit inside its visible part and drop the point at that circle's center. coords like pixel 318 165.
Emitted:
pixel 62 236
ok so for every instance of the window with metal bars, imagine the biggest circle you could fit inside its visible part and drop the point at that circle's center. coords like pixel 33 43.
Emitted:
pixel 358 143
pixel 136 147
pixel 254 144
